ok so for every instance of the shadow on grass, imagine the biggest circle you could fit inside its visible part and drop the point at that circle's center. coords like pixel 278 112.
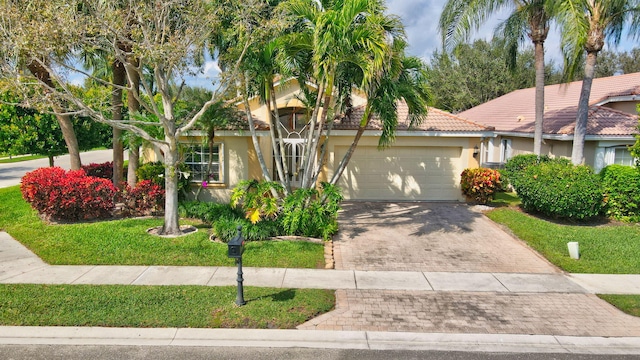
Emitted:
pixel 284 295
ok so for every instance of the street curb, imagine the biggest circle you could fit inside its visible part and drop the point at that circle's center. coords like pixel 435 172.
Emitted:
pixel 365 340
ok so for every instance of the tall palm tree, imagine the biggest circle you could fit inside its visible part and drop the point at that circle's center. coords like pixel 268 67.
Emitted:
pixel 529 17
pixel 334 33
pixel 586 25
pixel 404 79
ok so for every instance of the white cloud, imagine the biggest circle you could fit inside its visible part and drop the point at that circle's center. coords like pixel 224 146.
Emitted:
pixel 211 69
pixel 420 18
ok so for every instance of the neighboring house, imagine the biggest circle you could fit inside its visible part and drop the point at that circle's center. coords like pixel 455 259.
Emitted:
pixel 424 163
pixel 613 122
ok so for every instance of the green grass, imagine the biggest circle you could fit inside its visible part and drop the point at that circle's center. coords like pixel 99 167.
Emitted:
pixel 604 249
pixel 159 306
pixel 502 199
pixel 629 304
pixel 125 242
pixel 20 158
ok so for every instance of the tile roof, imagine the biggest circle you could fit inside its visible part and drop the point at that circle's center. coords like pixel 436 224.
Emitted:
pixel 436 120
pixel 515 112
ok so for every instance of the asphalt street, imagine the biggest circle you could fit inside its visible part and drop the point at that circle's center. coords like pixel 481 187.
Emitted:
pixel 10 174
pixel 54 352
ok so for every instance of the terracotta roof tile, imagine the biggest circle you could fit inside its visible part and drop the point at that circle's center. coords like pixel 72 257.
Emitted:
pixel 436 120
pixel 515 112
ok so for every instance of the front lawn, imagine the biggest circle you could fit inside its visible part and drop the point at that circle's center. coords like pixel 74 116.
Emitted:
pixel 604 249
pixel 159 306
pixel 125 242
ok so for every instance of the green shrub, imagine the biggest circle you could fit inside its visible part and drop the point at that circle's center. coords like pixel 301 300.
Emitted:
pixel 225 228
pixel 208 212
pixel 257 199
pixel 154 171
pixel 313 213
pixel 621 186
pixel 480 184
pixel 517 164
pixel 561 190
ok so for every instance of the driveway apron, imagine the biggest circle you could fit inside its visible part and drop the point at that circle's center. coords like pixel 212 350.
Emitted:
pixel 419 236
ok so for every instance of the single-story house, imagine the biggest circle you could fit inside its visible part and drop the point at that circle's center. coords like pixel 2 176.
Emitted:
pixel 426 160
pixel 612 125
pixel 424 163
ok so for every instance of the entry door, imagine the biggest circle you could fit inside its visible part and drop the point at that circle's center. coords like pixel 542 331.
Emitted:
pixel 293 153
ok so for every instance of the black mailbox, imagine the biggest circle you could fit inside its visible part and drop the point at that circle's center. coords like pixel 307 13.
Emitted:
pixel 236 245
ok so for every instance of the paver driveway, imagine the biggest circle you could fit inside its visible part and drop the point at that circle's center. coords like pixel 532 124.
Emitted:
pixel 418 236
pixel 449 237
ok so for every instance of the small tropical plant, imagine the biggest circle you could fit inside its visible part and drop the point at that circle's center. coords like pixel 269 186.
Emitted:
pixel 313 213
pixel 257 199
pixel 480 184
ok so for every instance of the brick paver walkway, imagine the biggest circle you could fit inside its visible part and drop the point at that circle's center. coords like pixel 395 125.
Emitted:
pixel 469 312
pixel 418 236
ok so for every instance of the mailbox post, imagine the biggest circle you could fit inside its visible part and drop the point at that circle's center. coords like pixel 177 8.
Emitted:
pixel 236 248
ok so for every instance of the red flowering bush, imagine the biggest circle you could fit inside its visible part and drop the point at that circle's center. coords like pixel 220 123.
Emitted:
pixel 103 170
pixel 68 195
pixel 480 184
pixel 144 199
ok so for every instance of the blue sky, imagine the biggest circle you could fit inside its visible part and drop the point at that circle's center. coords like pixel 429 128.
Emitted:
pixel 420 18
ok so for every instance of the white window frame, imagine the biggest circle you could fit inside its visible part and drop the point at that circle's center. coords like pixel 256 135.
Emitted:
pixel 625 148
pixel 202 149
pixel 505 150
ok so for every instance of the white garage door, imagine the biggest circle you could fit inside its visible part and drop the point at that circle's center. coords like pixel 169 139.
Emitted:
pixel 402 173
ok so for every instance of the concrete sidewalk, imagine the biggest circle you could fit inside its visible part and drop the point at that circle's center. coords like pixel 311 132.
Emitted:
pixel 420 310
pixel 19 265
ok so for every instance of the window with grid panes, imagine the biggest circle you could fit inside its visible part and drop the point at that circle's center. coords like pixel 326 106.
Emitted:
pixel 204 166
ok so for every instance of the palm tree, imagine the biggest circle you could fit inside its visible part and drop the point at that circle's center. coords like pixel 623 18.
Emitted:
pixel 404 79
pixel 586 25
pixel 336 33
pixel 530 17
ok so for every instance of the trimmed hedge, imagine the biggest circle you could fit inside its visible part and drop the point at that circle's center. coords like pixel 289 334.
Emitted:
pixel 144 199
pixel 73 195
pixel 561 190
pixel 517 164
pixel 100 170
pixel 68 195
pixel 480 184
pixel 621 185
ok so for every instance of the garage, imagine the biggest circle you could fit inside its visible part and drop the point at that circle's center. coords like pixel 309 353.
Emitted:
pixel 402 173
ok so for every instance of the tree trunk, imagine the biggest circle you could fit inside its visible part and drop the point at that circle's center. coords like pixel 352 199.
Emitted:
pixel 276 122
pixel 134 107
pixel 171 225
pixel 134 160
pixel 313 154
pixel 274 141
pixel 41 73
pixel 577 153
pixel 119 80
pixel 254 139
pixel 50 160
pixel 539 121
pixel 347 157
